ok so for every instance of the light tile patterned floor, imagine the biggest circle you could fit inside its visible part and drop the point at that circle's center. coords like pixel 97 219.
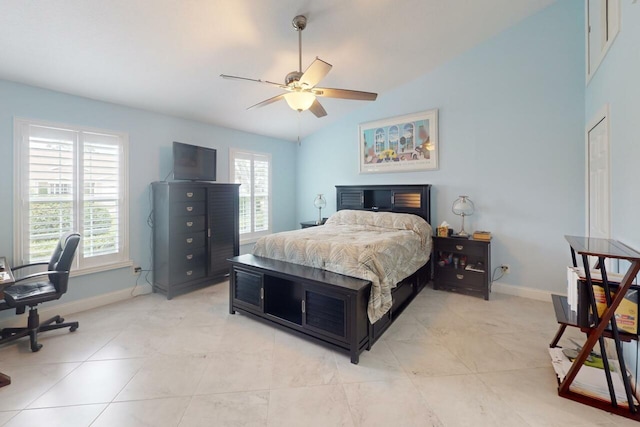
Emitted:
pixel 450 360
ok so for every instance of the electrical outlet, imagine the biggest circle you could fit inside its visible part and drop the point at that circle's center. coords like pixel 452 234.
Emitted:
pixel 137 269
pixel 505 268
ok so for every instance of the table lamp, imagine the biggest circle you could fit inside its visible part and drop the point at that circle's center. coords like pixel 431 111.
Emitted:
pixel 463 206
pixel 319 203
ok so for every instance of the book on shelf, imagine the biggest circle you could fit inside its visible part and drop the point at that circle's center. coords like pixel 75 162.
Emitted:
pixel 482 235
pixel 578 297
pixel 479 267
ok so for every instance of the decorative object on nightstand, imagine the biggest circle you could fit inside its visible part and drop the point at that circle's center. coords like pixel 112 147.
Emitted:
pixel 482 235
pixel 443 230
pixel 463 206
pixel 319 203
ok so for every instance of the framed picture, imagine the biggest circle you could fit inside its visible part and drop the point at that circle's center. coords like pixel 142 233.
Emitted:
pixel 400 144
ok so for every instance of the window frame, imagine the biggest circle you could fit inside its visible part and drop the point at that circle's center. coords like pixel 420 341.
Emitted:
pixel 81 265
pixel 252 237
pixel 608 24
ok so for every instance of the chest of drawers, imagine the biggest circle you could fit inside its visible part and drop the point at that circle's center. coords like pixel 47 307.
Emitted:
pixel 195 230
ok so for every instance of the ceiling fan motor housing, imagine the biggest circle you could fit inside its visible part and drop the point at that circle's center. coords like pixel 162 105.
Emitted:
pixel 299 22
pixel 293 76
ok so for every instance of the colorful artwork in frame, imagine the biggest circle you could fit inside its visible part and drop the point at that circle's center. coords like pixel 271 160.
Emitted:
pixel 400 144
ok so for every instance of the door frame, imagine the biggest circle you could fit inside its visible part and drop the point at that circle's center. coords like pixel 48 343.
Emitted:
pixel 602 115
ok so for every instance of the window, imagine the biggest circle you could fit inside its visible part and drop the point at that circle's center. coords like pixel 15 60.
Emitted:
pixel 253 172
pixel 70 178
pixel 603 25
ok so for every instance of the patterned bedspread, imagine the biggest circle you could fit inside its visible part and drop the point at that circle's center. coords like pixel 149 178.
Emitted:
pixel 381 247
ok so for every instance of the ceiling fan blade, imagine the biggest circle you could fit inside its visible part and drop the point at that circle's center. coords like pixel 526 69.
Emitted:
pixel 267 101
pixel 344 94
pixel 317 109
pixel 281 86
pixel 316 72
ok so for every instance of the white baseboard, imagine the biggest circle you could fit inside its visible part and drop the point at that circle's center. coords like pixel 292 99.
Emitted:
pixel 520 291
pixel 72 307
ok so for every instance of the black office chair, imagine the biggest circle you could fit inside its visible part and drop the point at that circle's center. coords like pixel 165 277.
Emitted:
pixel 19 296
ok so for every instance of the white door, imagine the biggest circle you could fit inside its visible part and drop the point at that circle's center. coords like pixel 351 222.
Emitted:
pixel 598 175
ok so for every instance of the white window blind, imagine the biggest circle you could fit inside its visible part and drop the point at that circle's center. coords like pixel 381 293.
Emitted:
pixel 253 171
pixel 71 179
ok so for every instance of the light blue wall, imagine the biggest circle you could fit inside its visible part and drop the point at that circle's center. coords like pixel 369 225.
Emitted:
pixel 150 155
pixel 511 137
pixel 617 82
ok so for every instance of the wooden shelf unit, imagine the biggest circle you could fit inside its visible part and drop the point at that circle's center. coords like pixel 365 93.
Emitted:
pixel 596 326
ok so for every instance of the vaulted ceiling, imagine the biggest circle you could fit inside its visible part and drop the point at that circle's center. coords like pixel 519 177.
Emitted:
pixel 167 55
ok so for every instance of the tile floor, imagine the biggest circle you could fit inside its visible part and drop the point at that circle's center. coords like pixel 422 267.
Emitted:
pixel 450 360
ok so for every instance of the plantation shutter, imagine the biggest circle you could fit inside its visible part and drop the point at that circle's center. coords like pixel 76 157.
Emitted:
pixel 50 190
pixel 242 167
pixel 101 194
pixel 261 192
pixel 71 179
pixel 253 172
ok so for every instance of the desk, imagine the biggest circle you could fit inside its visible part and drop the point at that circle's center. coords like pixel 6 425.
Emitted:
pixel 6 279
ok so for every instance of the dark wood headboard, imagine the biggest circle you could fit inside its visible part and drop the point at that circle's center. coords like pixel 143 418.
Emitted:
pixel 413 199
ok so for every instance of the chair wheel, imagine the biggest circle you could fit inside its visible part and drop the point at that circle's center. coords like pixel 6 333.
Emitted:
pixel 60 320
pixel 36 348
pixel 73 328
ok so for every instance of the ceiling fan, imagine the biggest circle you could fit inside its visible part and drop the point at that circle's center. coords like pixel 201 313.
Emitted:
pixel 301 87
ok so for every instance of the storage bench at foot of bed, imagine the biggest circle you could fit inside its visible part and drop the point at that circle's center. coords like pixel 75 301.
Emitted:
pixel 326 307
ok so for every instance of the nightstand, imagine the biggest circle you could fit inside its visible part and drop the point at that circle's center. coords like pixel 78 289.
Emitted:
pixel 462 265
pixel 307 224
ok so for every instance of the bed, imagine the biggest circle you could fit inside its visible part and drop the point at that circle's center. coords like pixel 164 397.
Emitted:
pixel 343 283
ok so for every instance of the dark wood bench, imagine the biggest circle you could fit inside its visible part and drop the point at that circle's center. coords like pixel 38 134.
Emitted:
pixel 323 306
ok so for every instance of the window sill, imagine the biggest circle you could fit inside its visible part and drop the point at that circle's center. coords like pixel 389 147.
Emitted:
pixel 99 268
pixel 249 241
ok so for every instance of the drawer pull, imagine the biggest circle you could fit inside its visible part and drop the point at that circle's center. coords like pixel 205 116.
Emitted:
pixel 189 208
pixel 189 273
pixel 460 276
pixel 304 309
pixel 190 194
pixel 459 247
pixel 261 293
pixel 189 223
pixel 190 240
pixel 190 256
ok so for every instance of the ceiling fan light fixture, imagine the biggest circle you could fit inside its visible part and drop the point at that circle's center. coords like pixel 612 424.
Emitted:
pixel 301 86
pixel 300 101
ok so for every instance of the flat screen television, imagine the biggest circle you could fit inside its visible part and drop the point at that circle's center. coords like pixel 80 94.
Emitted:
pixel 193 163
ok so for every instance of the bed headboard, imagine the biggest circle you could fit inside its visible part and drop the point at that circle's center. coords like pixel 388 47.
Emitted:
pixel 413 199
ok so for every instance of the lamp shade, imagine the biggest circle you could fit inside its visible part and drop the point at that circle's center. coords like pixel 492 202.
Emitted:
pixel 319 203
pixel 463 206
pixel 300 101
